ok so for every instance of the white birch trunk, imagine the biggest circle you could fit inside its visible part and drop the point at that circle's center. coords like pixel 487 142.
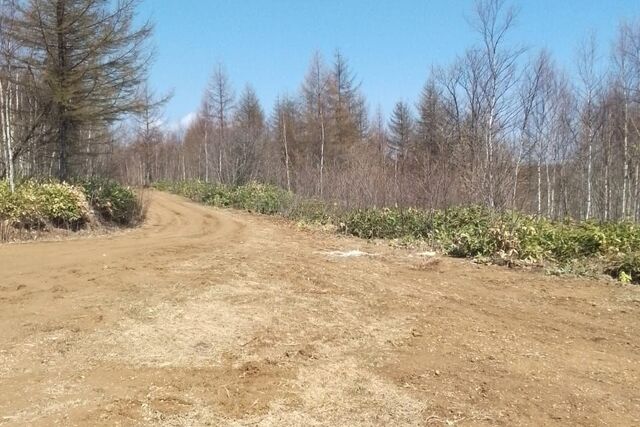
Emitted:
pixel 286 151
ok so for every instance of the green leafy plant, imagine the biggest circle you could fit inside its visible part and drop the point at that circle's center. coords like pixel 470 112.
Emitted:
pixel 34 205
pixel 112 202
pixel 37 204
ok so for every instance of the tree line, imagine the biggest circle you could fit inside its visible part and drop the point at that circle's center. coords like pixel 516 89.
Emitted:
pixel 502 126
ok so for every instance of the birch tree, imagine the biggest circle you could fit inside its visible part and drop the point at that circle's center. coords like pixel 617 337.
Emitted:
pixel 589 91
pixel 493 20
pixel 315 98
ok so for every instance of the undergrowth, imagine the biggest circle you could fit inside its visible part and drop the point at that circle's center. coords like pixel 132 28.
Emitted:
pixel 113 202
pixel 580 247
pixel 254 197
pixel 36 205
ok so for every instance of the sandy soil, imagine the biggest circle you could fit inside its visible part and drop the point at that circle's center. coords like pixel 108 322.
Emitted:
pixel 211 317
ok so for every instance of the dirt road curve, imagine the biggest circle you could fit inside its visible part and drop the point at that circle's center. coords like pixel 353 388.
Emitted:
pixel 209 317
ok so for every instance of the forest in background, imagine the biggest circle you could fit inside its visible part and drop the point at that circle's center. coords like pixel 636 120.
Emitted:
pixel 503 126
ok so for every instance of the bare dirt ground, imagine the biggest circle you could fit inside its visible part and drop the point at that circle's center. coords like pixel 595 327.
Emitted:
pixel 210 317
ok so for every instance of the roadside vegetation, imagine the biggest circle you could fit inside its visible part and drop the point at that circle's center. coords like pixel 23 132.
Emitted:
pixel 253 197
pixel 37 206
pixel 508 237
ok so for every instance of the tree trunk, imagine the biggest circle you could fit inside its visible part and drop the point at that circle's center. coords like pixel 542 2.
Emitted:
pixel 206 153
pixel 625 166
pixel 549 191
pixel 63 120
pixel 539 186
pixel 607 195
pixel 554 182
pixel 286 151
pixel 184 168
pixel 489 159
pixel 589 179
pixel 8 132
pixel 516 175
pixel 636 206
pixel 322 142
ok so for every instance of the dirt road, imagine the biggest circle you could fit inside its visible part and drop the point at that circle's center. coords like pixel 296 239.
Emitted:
pixel 210 317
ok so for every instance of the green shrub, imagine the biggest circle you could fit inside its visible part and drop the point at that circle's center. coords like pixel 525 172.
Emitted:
pixel 9 210
pixel 264 199
pixel 24 207
pixel 112 202
pixel 313 211
pixel 64 204
pixel 33 205
pixel 478 232
pixel 253 197
pixel 387 223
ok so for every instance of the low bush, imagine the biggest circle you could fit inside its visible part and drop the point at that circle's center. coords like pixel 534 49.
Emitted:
pixel 260 198
pixel 386 223
pixel 63 204
pixel 313 211
pixel 35 205
pixel 113 202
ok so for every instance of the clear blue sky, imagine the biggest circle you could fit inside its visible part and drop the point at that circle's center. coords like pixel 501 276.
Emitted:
pixel 391 44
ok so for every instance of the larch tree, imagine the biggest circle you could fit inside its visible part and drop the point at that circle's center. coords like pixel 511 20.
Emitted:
pixel 378 134
pixel 149 130
pixel 91 58
pixel 344 106
pixel 401 131
pixel 401 134
pixel 430 122
pixel 249 129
